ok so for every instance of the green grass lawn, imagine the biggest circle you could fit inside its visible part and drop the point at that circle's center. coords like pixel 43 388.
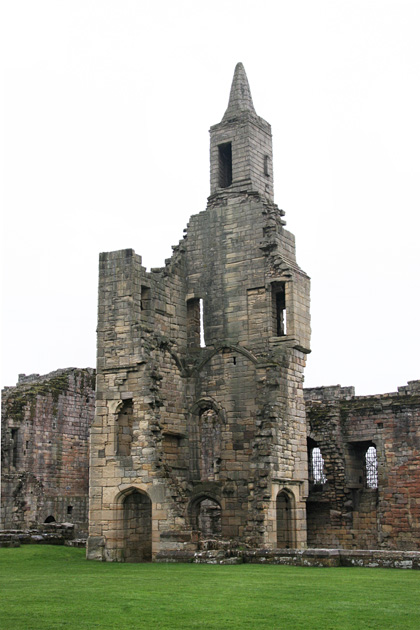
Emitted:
pixel 46 587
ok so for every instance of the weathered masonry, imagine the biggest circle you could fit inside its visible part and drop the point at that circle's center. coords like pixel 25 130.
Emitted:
pixel 364 468
pixel 44 454
pixel 200 428
pixel 201 447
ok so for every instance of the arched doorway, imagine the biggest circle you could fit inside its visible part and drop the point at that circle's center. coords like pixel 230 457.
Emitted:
pixel 206 517
pixel 137 524
pixel 284 513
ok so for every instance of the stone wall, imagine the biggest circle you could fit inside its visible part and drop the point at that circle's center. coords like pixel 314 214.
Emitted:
pixel 200 425
pixel 45 426
pixel 347 509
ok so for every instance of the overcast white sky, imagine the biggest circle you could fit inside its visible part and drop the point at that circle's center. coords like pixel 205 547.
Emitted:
pixel 107 106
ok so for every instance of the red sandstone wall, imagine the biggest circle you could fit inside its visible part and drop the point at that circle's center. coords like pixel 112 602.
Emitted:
pixel 45 425
pixel 344 512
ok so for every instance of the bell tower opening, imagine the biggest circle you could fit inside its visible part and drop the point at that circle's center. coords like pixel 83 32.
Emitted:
pixel 241 152
pixel 225 164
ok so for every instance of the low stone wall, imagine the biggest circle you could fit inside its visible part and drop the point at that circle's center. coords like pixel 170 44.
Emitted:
pixel 50 534
pixel 305 558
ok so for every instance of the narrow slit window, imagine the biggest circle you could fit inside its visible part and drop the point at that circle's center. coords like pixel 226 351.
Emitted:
pixel 371 468
pixel 15 433
pixel 279 309
pixel 194 323
pixel 202 340
pixel 266 166
pixel 225 164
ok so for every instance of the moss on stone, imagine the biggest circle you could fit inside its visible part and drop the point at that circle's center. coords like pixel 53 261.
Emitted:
pixel 19 400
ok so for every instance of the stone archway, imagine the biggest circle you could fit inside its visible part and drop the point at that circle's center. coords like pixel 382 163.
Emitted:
pixel 285 520
pixel 206 517
pixel 137 527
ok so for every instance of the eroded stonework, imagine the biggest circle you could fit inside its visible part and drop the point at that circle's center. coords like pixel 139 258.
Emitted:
pixel 200 426
pixel 44 454
pixel 201 447
pixel 362 502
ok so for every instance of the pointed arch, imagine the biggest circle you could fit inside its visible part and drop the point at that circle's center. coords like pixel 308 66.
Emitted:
pixel 285 519
pixel 207 418
pixel 205 515
pixel 226 346
pixel 134 525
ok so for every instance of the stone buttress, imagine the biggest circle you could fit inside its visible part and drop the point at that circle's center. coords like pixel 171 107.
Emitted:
pixel 200 430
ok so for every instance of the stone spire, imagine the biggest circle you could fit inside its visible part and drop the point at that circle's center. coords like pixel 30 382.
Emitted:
pixel 240 99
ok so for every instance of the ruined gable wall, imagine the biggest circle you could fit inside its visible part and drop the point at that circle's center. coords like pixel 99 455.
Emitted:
pixel 235 251
pixel 45 425
pixel 344 512
pixel 141 344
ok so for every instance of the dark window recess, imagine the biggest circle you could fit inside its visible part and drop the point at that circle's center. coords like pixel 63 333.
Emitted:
pixel 193 323
pixel 50 519
pixel 284 521
pixel 362 465
pixel 279 309
pixel 125 428
pixel 145 299
pixel 266 163
pixel 225 164
pixel 69 509
pixel 14 445
pixel 207 518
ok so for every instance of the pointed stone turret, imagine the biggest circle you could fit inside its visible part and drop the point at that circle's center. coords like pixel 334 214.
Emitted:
pixel 240 99
pixel 241 155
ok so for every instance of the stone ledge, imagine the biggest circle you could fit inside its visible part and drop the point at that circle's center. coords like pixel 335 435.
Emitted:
pixel 297 557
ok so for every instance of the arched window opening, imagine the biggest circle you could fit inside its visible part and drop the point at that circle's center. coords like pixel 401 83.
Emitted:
pixel 371 468
pixel 50 519
pixel 285 534
pixel 125 428
pixel 209 445
pixel 137 524
pixel 317 474
pixel 207 518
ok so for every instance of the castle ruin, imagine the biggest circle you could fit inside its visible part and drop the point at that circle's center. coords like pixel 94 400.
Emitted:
pixel 200 427
pixel 203 436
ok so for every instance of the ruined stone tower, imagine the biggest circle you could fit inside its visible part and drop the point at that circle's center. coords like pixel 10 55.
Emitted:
pixel 200 427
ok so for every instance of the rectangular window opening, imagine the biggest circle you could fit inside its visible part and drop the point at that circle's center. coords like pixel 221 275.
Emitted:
pixel 225 164
pixel 145 299
pixel 202 341
pixel 362 465
pixel 279 309
pixel 195 323
pixel 266 166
